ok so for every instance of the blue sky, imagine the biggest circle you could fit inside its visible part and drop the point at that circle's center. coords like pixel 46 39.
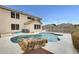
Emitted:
pixel 51 14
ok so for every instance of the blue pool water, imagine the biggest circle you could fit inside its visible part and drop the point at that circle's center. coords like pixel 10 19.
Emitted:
pixel 50 37
pixel 18 32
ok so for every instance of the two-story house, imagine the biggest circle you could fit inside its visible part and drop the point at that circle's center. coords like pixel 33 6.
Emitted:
pixel 14 21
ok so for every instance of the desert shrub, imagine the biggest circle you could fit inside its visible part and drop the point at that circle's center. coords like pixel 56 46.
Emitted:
pixel 75 39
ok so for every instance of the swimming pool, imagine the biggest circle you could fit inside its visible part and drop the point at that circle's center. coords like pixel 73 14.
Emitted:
pixel 49 36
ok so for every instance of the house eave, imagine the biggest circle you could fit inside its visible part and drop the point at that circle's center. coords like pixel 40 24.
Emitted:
pixel 21 12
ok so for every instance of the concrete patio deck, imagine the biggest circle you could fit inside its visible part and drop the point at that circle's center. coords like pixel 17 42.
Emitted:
pixel 64 46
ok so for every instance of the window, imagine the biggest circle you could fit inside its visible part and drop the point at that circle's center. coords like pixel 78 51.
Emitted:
pixel 29 18
pixel 17 26
pixel 14 26
pixel 17 15
pixel 32 18
pixel 12 14
pixel 37 26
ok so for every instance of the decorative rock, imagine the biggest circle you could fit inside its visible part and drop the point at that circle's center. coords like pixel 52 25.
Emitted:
pixel 27 45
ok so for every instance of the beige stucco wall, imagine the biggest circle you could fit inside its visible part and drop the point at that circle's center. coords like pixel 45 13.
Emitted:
pixel 21 21
pixel 6 21
pixel 31 26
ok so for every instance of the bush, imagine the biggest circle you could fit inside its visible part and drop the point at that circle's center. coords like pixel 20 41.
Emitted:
pixel 75 39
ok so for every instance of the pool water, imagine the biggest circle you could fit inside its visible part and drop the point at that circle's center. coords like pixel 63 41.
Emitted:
pixel 18 32
pixel 50 37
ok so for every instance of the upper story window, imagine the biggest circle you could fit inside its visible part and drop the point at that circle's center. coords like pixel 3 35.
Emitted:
pixel 15 15
pixel 33 19
pixel 29 18
pixel 12 14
